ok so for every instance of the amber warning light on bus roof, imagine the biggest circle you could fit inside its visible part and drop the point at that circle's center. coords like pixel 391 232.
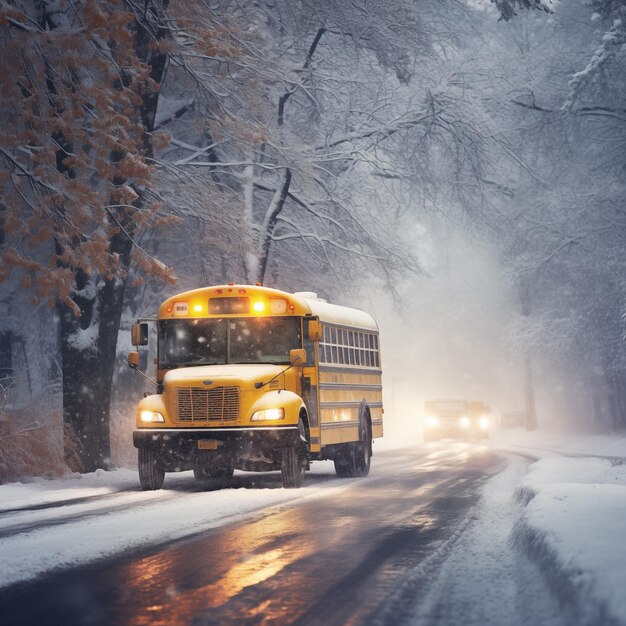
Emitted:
pixel 232 305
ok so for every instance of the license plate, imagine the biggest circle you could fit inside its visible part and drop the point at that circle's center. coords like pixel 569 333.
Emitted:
pixel 207 444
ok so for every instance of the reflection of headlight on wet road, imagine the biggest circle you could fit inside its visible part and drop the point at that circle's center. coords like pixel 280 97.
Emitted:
pixel 432 421
pixel 464 422
pixel 484 423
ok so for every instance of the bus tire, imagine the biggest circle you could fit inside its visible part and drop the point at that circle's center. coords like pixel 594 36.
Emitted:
pixel 363 452
pixel 294 461
pixel 292 469
pixel 344 461
pixel 151 474
pixel 353 459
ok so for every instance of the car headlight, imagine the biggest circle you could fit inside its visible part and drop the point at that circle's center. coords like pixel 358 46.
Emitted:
pixel 268 414
pixel 484 422
pixel 432 421
pixel 464 422
pixel 151 416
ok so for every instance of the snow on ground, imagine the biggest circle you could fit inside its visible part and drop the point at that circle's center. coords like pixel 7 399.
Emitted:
pixel 573 521
pixel 573 525
pixel 140 518
pixel 545 443
pixel 38 491
pixel 553 519
pixel 568 518
pixel 474 577
pixel 560 509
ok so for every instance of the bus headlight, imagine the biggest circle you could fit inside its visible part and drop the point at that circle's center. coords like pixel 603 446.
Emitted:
pixel 268 414
pixel 151 416
pixel 484 422
pixel 464 422
pixel 432 421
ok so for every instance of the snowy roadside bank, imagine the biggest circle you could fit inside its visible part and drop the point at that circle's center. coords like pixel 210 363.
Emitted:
pixel 543 546
pixel 573 519
pixel 473 577
pixel 572 527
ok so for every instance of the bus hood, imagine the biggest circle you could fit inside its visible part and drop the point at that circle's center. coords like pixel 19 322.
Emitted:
pixel 244 376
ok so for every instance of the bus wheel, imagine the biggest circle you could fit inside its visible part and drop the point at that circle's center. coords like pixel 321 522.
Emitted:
pixel 151 474
pixel 292 469
pixel 293 463
pixel 353 460
pixel 344 461
pixel 363 454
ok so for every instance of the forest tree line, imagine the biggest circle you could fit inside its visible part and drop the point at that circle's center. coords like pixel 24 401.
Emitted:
pixel 152 143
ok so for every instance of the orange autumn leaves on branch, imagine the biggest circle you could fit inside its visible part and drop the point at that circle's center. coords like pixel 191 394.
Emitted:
pixel 72 145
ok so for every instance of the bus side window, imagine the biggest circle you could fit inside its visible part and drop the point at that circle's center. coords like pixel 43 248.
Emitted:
pixel 376 353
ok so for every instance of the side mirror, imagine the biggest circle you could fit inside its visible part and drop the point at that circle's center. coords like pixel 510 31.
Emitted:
pixel 315 330
pixel 139 334
pixel 133 360
pixel 297 356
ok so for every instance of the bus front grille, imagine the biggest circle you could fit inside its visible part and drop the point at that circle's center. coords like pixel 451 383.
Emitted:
pixel 219 405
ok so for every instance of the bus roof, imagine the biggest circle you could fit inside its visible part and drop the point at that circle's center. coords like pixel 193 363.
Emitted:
pixel 303 303
pixel 341 315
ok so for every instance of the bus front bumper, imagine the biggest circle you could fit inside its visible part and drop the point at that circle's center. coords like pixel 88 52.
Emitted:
pixel 244 447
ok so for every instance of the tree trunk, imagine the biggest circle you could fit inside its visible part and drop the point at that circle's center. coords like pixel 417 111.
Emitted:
pixel 529 394
pixel 88 369
pixel 267 228
pixel 85 401
pixel 530 410
pixel 617 399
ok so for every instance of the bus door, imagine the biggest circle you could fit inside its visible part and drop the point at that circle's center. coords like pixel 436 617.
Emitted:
pixel 310 395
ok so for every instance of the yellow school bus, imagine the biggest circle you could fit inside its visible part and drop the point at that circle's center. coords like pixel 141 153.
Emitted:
pixel 258 379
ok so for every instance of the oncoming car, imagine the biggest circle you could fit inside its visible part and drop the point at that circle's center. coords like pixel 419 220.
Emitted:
pixel 459 419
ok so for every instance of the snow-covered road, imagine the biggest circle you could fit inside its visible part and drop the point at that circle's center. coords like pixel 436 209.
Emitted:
pixel 541 545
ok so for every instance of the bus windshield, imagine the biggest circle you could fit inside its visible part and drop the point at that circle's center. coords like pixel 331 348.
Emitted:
pixel 227 340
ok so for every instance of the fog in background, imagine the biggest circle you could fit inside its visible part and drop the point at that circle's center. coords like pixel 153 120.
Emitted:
pixel 460 334
pixel 456 168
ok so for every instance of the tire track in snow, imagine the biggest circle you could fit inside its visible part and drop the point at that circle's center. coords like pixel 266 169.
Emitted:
pixel 476 577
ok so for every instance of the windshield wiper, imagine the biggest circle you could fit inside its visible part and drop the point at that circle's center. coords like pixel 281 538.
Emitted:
pixel 260 384
pixel 257 362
